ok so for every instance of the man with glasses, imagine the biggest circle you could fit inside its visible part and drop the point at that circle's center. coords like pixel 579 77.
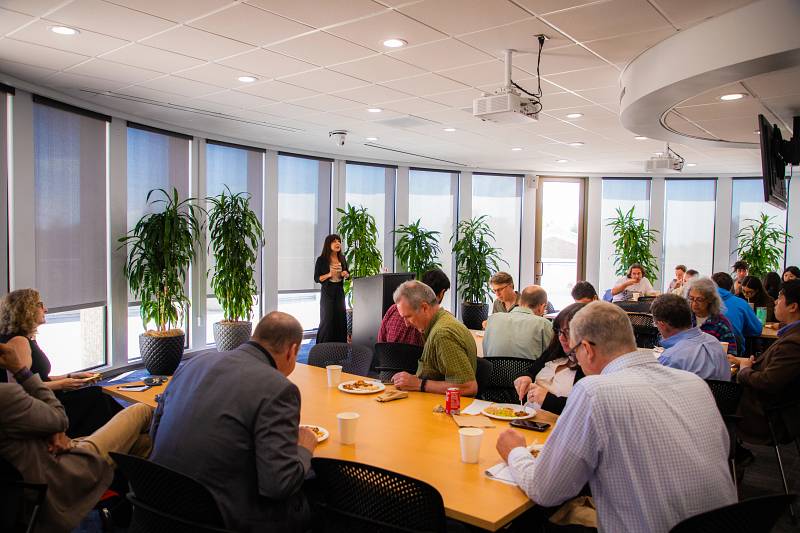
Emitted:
pixel 502 285
pixel 648 439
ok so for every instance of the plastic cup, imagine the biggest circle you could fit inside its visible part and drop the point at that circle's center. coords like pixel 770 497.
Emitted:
pixel 724 347
pixel 470 444
pixel 334 375
pixel 761 313
pixel 347 427
pixel 635 296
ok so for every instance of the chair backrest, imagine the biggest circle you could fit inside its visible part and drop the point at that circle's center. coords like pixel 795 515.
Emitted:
pixel 15 509
pixel 367 498
pixel 727 395
pixel 355 359
pixel 755 515
pixel 393 357
pixel 784 421
pixel 148 519
pixel 483 374
pixel 169 492
pixel 500 385
pixel 644 329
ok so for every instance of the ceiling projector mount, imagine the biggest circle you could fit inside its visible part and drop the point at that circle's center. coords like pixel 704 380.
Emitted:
pixel 511 104
pixel 667 161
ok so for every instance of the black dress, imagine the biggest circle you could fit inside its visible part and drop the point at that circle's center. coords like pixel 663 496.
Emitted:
pixel 332 317
pixel 88 408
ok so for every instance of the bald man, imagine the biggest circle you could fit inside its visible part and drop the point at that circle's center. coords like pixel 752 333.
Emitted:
pixel 523 331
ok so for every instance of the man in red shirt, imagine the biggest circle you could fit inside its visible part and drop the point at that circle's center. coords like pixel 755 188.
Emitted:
pixel 394 328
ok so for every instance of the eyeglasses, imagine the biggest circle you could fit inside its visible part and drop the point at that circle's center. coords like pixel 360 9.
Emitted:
pixel 698 299
pixel 497 290
pixel 573 354
pixel 40 305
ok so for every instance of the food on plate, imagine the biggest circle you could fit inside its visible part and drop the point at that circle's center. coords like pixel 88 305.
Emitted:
pixel 361 385
pixel 317 431
pixel 507 412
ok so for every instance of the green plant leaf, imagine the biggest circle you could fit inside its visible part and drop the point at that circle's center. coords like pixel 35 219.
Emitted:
pixel 761 244
pixel 477 259
pixel 633 239
pixel 359 234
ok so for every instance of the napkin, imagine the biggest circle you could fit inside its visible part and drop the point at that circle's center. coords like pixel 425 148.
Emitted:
pixel 390 395
pixel 502 472
pixel 478 421
pixel 476 407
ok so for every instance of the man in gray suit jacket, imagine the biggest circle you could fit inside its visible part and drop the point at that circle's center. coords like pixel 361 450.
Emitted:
pixel 230 420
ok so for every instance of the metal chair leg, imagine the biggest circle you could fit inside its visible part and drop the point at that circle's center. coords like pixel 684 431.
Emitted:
pixel 785 485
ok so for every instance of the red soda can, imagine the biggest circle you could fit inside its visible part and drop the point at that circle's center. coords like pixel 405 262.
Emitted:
pixel 452 401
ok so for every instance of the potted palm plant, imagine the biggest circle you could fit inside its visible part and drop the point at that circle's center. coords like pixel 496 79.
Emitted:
pixel 476 260
pixel 761 244
pixel 235 236
pixel 161 247
pixel 359 234
pixel 417 248
pixel 632 243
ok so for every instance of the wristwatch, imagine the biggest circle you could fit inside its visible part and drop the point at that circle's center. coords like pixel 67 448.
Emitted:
pixel 422 384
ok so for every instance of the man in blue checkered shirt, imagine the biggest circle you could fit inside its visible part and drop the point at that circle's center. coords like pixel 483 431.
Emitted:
pixel 648 439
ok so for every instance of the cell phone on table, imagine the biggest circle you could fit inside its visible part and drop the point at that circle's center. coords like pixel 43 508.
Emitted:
pixel 530 424
pixel 133 388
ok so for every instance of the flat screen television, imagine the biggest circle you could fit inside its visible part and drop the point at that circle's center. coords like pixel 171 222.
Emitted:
pixel 773 164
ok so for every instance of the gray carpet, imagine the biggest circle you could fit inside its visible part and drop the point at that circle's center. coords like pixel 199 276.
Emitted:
pixel 762 477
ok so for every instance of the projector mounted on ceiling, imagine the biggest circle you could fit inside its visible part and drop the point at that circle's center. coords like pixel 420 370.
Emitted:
pixel 665 162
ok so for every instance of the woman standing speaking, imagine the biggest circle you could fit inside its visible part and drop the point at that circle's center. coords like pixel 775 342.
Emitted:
pixel 330 270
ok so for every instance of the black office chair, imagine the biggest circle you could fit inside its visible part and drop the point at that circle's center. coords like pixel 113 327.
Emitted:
pixel 784 427
pixel 394 357
pixel 355 359
pixel 483 374
pixel 754 515
pixel 727 395
pixel 15 509
pixel 500 385
pixel 355 497
pixel 644 329
pixel 166 500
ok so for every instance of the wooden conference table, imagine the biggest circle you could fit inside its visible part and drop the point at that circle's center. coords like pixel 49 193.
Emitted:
pixel 407 437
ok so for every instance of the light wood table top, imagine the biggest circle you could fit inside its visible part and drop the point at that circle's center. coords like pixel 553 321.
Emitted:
pixel 769 333
pixel 477 334
pixel 407 437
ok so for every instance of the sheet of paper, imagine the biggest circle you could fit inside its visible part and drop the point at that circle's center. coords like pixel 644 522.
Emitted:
pixel 468 421
pixel 476 407
pixel 501 472
pixel 123 375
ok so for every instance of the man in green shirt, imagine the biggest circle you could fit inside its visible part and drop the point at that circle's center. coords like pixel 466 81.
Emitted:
pixel 449 357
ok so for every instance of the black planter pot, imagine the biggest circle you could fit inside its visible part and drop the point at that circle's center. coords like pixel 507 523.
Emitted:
pixel 231 335
pixel 161 355
pixel 473 315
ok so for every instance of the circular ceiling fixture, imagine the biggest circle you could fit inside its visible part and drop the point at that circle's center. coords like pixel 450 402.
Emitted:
pixel 641 138
pixel 731 97
pixel 394 43
pixel 449 130
pixel 64 30
pixel 575 115
pixel 576 143
pixel 247 79
pixel 516 149
pixel 375 110
pixel 372 138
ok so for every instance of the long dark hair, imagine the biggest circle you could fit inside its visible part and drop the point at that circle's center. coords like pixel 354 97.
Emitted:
pixel 772 284
pixel 326 248
pixel 554 349
pixel 760 297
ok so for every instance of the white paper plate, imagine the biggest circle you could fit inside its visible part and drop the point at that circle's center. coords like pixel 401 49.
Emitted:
pixel 516 407
pixel 325 432
pixel 378 387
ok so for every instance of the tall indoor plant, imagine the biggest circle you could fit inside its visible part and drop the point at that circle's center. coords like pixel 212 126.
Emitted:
pixel 235 237
pixel 476 260
pixel 417 248
pixel 761 244
pixel 161 247
pixel 632 241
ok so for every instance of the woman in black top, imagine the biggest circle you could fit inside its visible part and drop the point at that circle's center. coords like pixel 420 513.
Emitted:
pixel 21 313
pixel 754 293
pixel 330 271
pixel 557 350
pixel 772 284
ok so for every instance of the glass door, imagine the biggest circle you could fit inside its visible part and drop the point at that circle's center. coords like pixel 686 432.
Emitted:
pixel 560 234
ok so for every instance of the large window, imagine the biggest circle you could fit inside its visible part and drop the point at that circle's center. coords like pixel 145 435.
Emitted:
pixel 304 215
pixel 372 187
pixel 748 203
pixel 4 98
pixel 500 199
pixel 70 232
pixel 431 199
pixel 156 160
pixel 689 226
pixel 619 194
pixel 241 169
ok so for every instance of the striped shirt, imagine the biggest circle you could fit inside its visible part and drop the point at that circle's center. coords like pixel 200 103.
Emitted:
pixel 450 353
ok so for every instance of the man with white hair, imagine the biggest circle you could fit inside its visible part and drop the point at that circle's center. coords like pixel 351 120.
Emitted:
pixel 449 356
pixel 648 439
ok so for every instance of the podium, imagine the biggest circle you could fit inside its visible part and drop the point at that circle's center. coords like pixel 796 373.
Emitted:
pixel 372 296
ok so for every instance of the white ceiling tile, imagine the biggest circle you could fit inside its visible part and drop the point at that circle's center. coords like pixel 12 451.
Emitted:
pixel 448 116
pixel 779 83
pixel 363 114
pixel 489 73
pixel 589 112
pixel 214 74
pixel 282 109
pixel 11 20
pixel 67 80
pixel 625 48
pixel 461 98
pixel 327 102
pixel 320 13
pixel 738 108
pixel 558 60
pixel 425 85
pixel 607 76
pixel 87 43
pixel 463 16
pixel 267 63
pixel 372 31
pixel 322 80
pixel 181 86
pixel 36 8
pixel 378 68
pixel 139 91
pixel 322 49
pixel 197 43
pixel 239 99
pixel 607 19
pixel 683 12
pixel 277 90
pixel 712 96
pixel 372 94
pixel 175 10
pixel 414 106
pixel 739 129
pixel 786 107
pixel 518 36
pixel 251 25
pixel 540 7
pixel 37 56
pixel 100 68
pixel 603 95
pixel 678 123
pixel 109 19
pixel 440 55
pixel 139 55
pixel 23 72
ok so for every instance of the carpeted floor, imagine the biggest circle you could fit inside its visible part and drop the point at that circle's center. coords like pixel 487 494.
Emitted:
pixel 762 477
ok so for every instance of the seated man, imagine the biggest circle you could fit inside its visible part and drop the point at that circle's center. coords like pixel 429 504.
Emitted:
pixel 683 289
pixel 774 377
pixel 687 348
pixel 394 328
pixel 230 420
pixel 738 312
pixel 524 332
pixel 740 270
pixel 449 357
pixel 678 280
pixel 502 285
pixel 614 435
pixel 583 292
pixel 76 472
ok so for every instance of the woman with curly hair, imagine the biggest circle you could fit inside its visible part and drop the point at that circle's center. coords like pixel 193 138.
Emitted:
pixel 707 313
pixel 21 313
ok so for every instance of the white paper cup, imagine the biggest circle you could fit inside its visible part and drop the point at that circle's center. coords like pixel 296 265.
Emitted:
pixel 347 427
pixel 635 296
pixel 470 444
pixel 334 375
pixel 724 347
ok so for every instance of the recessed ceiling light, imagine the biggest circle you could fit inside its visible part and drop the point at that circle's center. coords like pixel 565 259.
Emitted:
pixel 516 149
pixel 640 138
pixel 394 43
pixel 374 109
pixel 732 96
pixel 372 138
pixel 246 79
pixel 691 164
pixel 658 154
pixel 64 30
pixel 561 160
pixel 577 143
pixel 575 115
pixel 449 129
